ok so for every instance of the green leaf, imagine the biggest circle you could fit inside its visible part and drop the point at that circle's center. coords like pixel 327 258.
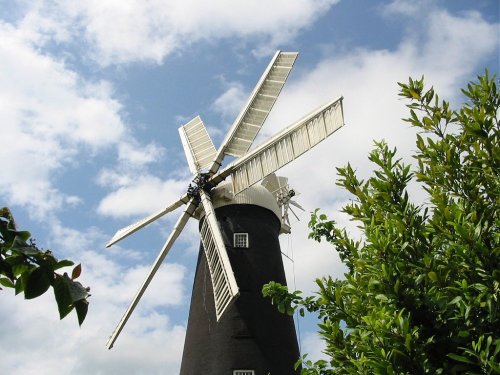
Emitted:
pixel 37 283
pixel 19 268
pixel 419 279
pixel 460 358
pixel 338 297
pixel 81 307
pixel 6 282
pixel 63 295
pixel 281 307
pixel 23 235
pixel 21 247
pixel 6 269
pixel 77 291
pixel 433 276
pixel 63 263
pixel 408 341
pixel 396 287
pixel 19 284
pixel 455 300
pixel 414 94
pixel 381 297
pixel 24 267
pixel 463 334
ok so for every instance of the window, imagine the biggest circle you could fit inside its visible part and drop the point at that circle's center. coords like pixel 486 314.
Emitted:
pixel 241 240
pixel 243 372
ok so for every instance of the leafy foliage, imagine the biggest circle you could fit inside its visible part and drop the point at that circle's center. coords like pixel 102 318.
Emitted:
pixel 26 268
pixel 422 290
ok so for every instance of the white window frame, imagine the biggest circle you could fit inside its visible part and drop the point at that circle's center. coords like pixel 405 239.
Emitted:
pixel 240 240
pixel 243 372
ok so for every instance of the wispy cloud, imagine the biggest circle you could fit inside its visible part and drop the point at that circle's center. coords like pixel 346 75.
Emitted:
pixel 139 194
pixel 49 115
pixel 148 31
pixel 231 101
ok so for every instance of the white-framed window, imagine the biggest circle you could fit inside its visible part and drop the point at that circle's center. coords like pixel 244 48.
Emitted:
pixel 240 240
pixel 243 372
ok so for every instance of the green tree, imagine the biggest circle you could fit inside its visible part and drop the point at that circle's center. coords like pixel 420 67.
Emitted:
pixel 26 268
pixel 422 290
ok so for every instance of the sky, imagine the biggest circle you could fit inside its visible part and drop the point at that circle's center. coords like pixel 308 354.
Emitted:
pixel 92 94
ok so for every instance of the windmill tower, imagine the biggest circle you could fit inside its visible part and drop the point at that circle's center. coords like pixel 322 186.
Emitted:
pixel 231 329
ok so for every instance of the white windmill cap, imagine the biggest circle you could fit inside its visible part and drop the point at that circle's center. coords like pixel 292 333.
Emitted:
pixel 257 195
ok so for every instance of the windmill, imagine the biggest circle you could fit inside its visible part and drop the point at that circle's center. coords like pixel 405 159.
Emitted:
pixel 231 329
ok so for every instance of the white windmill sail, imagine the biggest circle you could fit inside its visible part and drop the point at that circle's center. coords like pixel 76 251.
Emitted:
pixel 293 203
pixel 284 146
pixel 128 230
pixel 247 170
pixel 178 227
pixel 224 283
pixel 248 123
pixel 198 147
pixel 275 184
pixel 287 146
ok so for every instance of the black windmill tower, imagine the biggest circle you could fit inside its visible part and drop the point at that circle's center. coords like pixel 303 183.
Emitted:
pixel 231 328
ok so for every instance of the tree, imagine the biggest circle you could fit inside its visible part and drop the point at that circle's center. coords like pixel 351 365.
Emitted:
pixel 26 268
pixel 422 290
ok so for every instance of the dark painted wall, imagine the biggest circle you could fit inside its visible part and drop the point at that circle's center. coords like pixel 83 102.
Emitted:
pixel 252 334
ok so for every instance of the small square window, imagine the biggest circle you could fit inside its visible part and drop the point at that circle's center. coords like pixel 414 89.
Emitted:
pixel 243 372
pixel 241 240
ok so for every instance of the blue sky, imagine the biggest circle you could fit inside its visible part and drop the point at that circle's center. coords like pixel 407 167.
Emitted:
pixel 92 94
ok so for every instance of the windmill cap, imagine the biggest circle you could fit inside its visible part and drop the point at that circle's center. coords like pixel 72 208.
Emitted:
pixel 256 195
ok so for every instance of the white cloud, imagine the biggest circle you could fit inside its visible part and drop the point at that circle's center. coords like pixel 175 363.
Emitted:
pixel 139 155
pixel 403 7
pixel 165 290
pixel 457 44
pixel 121 32
pixel 314 344
pixel 48 116
pixel 231 101
pixel 149 342
pixel 54 115
pixel 139 195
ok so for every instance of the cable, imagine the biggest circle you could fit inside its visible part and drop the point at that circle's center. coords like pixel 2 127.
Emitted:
pixel 297 316
pixel 204 295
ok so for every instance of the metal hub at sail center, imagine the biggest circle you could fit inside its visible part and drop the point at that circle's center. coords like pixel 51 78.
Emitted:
pixel 200 182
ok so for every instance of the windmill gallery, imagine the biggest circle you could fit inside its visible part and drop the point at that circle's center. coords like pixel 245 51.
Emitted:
pixel 231 329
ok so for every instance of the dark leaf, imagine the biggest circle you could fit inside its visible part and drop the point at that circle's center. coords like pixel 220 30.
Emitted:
pixel 81 307
pixel 20 282
pixel 460 358
pixel 37 283
pixel 6 269
pixel 63 295
pixel 77 291
pixel 63 263
pixel 20 246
